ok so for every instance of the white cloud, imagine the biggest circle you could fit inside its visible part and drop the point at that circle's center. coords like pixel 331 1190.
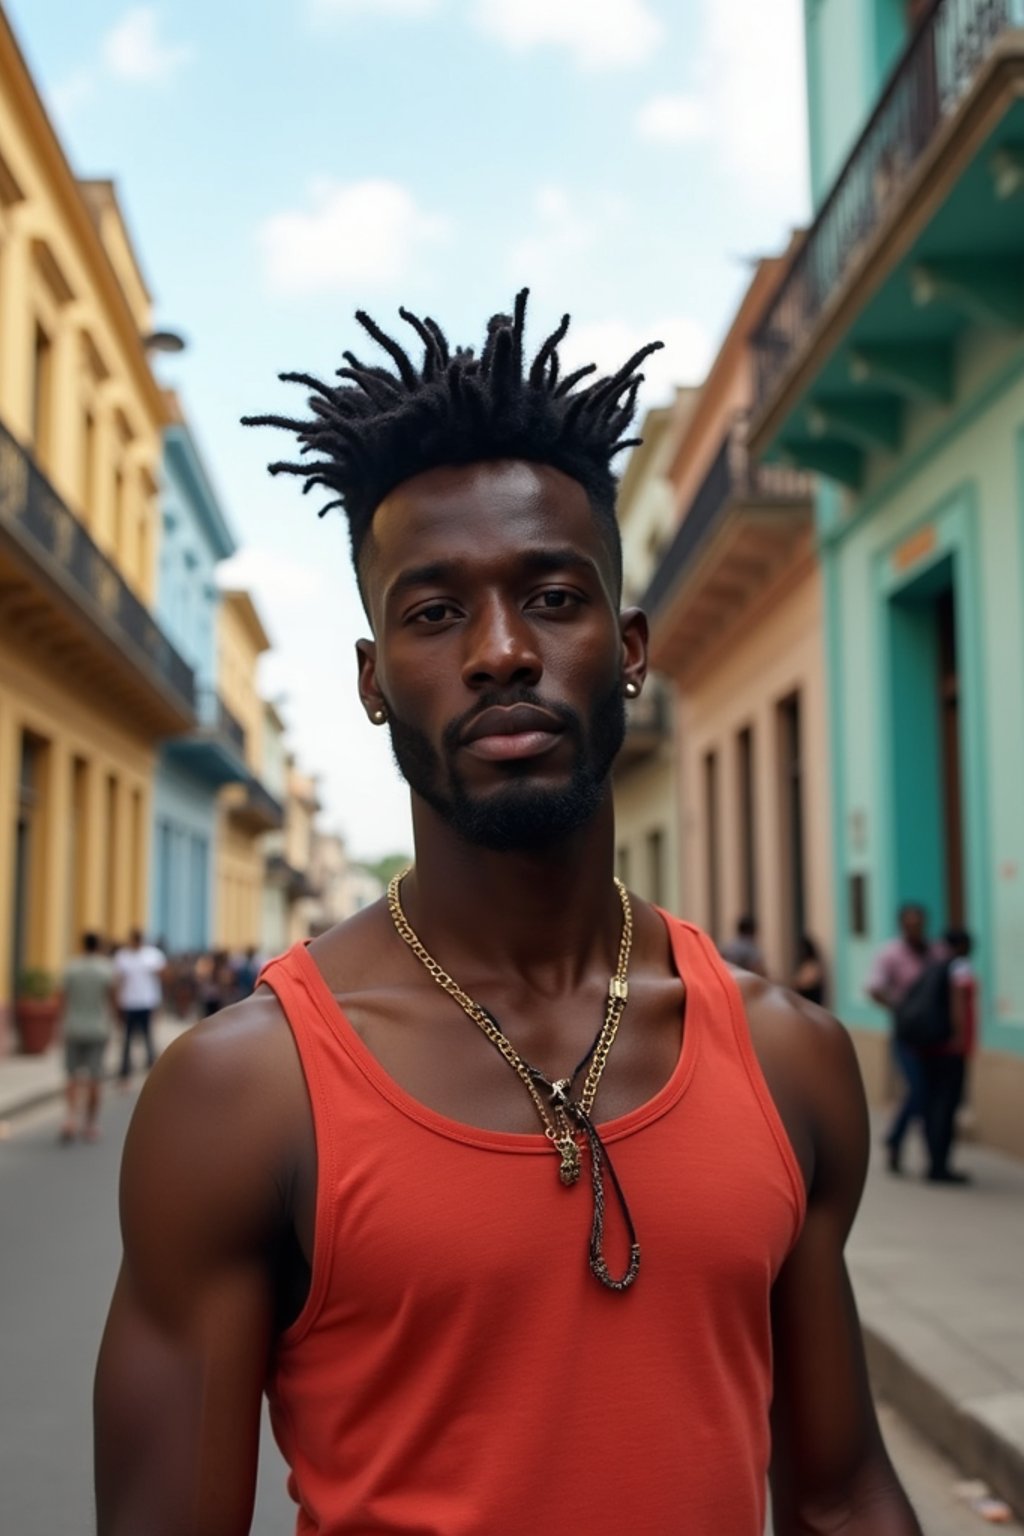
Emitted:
pixel 598 34
pixel 134 49
pixel 324 10
pixel 673 120
pixel 684 359
pixel 753 77
pixel 369 233
pixel 747 101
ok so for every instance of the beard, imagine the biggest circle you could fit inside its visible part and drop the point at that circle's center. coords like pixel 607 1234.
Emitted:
pixel 520 816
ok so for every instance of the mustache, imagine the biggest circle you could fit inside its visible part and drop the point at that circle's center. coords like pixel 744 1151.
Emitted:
pixel 503 698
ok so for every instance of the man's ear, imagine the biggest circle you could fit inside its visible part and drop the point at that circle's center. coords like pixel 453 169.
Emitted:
pixel 633 626
pixel 370 695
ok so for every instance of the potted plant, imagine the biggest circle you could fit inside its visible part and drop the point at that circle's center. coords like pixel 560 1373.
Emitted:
pixel 36 1010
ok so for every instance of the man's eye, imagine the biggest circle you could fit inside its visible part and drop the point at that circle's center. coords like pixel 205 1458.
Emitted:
pixel 555 597
pixel 433 613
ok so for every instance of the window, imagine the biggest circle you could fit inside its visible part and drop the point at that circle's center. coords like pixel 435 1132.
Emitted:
pixel 711 833
pixel 791 794
pixel 42 398
pixel 748 829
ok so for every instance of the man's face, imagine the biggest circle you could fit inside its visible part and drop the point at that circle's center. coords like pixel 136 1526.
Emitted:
pixel 913 925
pixel 499 654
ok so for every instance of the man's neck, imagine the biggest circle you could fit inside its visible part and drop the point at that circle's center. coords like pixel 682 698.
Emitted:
pixel 548 915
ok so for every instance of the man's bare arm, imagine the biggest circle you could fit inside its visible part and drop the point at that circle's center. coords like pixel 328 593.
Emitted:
pixel 185 1351
pixel 830 1469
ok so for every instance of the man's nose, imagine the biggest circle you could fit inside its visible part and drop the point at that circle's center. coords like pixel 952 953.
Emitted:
pixel 502 649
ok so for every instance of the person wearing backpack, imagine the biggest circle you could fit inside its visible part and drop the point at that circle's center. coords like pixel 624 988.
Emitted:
pixel 944 1062
pixel 895 969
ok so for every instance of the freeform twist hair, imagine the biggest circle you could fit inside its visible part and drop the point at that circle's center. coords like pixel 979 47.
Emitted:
pixel 382 425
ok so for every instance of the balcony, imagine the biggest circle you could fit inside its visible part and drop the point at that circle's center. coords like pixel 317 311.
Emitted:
pixel 741 529
pixel 215 750
pixel 62 600
pixel 295 882
pixel 920 237
pixel 253 808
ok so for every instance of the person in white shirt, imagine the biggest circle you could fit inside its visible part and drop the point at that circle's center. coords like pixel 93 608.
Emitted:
pixel 139 968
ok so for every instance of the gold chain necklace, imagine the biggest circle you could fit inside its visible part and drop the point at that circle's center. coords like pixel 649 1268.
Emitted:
pixel 562 1117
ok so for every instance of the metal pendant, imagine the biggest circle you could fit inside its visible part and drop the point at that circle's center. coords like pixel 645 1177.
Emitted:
pixel 569 1171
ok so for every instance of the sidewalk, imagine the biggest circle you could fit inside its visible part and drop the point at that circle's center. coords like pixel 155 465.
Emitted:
pixel 26 1081
pixel 938 1272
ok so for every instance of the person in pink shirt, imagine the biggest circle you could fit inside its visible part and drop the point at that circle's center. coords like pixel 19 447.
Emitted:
pixel 895 968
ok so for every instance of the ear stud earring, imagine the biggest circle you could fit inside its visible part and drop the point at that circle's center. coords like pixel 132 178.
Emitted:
pixel 632 690
pixel 379 716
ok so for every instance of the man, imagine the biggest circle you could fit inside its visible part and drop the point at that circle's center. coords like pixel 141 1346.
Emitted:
pixel 88 1003
pixel 743 949
pixel 464 1326
pixel 140 971
pixel 944 1067
pixel 895 968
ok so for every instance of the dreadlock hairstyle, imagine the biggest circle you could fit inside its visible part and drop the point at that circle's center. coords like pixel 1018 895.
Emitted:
pixel 382 425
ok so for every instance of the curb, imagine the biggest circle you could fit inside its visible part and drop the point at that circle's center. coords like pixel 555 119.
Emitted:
pixel 966 1438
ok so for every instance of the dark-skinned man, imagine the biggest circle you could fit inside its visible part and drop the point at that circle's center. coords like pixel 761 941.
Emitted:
pixel 524 1208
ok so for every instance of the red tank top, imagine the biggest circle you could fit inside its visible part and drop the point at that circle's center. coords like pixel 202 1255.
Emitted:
pixel 458 1371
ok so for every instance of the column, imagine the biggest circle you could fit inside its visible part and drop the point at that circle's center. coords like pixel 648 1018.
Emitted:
pixel 68 416
pixel 53 892
pixel 120 845
pixel 105 450
pixel 10 752
pixel 142 820
pixel 93 845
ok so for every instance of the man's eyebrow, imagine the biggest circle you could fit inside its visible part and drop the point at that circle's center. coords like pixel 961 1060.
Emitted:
pixel 534 561
pixel 438 571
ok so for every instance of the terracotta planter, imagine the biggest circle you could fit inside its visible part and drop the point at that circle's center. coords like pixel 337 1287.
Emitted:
pixel 36 1021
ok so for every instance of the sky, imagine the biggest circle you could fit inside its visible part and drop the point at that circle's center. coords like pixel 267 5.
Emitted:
pixel 281 165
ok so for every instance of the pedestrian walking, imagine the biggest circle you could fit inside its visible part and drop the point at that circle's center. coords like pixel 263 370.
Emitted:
pixel 139 968
pixel 944 1065
pixel 743 949
pixel 527 1210
pixel 896 966
pixel 88 1012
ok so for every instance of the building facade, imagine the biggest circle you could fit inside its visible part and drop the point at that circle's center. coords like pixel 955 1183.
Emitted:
pixel 247 810
pixel 892 363
pixel 89 682
pixel 736 623
pixel 647 792
pixel 191 767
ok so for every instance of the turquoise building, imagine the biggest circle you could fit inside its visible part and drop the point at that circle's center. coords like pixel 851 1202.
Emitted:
pixel 191 768
pixel 892 363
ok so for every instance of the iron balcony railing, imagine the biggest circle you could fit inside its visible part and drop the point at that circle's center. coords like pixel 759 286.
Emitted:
pixel 28 501
pixel 938 66
pixel 733 476
pixel 260 802
pixel 215 716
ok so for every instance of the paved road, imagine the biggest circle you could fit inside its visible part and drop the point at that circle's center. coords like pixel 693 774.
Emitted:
pixel 58 1258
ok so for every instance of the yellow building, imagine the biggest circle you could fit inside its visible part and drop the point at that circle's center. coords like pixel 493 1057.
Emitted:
pixel 247 811
pixel 647 791
pixel 88 682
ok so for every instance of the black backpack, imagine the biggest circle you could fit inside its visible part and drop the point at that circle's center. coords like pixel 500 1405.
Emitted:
pixel 924 1017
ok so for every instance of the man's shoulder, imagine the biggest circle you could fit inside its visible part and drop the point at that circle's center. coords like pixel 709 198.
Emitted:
pixel 233 1080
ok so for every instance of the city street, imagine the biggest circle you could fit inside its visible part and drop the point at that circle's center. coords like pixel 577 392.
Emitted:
pixel 58 1208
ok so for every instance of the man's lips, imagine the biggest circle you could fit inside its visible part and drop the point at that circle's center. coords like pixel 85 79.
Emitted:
pixel 509 732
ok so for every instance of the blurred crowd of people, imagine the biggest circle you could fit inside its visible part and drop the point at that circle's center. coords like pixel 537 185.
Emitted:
pixel 109 987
